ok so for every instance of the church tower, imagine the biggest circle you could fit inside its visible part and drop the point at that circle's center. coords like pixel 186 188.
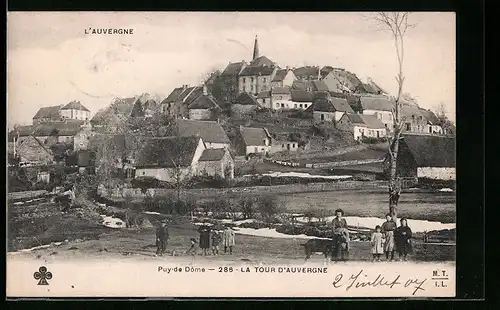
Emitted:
pixel 256 49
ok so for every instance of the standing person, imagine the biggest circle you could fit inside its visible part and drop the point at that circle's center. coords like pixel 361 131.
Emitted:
pixel 340 233
pixel 161 238
pixel 388 228
pixel 402 236
pixel 216 240
pixel 377 243
pixel 228 239
pixel 204 231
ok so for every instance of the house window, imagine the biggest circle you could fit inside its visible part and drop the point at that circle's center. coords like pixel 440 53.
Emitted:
pixel 251 79
pixel 322 116
pixel 295 105
pixel 144 173
pixel 282 105
pixel 244 80
pixel 256 149
pixel 264 80
pixel 300 105
pixel 378 134
pixel 293 145
pixel 282 145
pixel 408 126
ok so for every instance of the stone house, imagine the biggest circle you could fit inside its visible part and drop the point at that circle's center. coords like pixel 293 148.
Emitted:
pixel 283 78
pixel 249 140
pixel 264 99
pixel 257 76
pixel 361 125
pixel 244 105
pixel 212 133
pixel 433 123
pixel 216 162
pixel 327 108
pixel 425 157
pixel 283 146
pixel 33 151
pixel 204 107
pixel 49 133
pixel 177 102
pixel 310 85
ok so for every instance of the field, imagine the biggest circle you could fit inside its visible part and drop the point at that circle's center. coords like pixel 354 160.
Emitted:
pixel 83 237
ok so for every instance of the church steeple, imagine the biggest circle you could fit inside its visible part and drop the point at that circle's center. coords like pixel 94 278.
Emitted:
pixel 256 49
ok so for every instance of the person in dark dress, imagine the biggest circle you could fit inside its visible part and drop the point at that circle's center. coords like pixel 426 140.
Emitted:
pixel 388 228
pixel 402 236
pixel 340 232
pixel 204 231
pixel 161 238
pixel 193 250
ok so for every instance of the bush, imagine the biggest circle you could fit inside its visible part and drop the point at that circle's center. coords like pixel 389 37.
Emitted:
pixel 247 207
pixel 269 206
pixel 373 140
pixel 220 207
pixel 255 225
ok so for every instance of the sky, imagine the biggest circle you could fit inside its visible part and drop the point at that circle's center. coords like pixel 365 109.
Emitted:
pixel 51 61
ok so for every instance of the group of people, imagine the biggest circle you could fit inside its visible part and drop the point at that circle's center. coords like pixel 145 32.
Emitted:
pixel 386 239
pixel 209 239
pixel 389 238
pixel 213 238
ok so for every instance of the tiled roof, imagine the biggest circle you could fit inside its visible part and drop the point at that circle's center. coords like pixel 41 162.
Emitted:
pixel 50 129
pixel 301 96
pixel 332 104
pixel 209 131
pixel 430 150
pixel 49 112
pixel 204 102
pixel 261 61
pixel 75 105
pixel 313 85
pixel 253 71
pixel 306 72
pixel 430 116
pixel 168 152
pixel 212 155
pixel 376 103
pixel 370 121
pixel 264 94
pixel 325 70
pixel 233 68
pixel 174 95
pixel 253 136
pixel 280 90
pixel 280 75
pixel 245 99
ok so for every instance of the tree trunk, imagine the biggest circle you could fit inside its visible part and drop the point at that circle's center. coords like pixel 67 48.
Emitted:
pixel 394 181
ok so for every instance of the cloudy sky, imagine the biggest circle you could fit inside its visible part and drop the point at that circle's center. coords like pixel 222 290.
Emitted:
pixel 52 61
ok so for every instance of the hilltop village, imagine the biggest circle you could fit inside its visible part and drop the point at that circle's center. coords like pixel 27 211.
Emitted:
pixel 250 118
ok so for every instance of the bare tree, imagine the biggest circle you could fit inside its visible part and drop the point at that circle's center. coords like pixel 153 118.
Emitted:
pixel 397 24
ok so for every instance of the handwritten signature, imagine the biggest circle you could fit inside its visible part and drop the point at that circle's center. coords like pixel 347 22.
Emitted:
pixel 359 280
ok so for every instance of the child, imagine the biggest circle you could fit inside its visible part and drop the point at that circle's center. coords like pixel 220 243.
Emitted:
pixel 228 240
pixel 377 243
pixel 216 240
pixel 193 250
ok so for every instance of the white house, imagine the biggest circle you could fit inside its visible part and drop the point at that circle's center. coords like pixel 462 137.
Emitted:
pixel 249 140
pixel 380 107
pixel 300 99
pixel 361 125
pixel 75 110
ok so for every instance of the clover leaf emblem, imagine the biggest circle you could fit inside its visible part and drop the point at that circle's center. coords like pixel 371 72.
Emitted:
pixel 42 275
